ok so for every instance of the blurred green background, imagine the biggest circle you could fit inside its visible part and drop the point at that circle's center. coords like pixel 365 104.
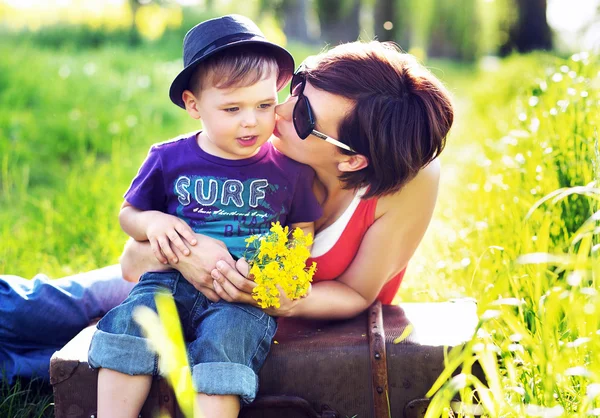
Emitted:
pixel 83 94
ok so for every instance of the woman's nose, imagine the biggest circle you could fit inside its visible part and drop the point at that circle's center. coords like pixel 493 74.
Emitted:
pixel 285 109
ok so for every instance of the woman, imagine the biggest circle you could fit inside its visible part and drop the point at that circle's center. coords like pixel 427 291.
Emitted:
pixel 371 122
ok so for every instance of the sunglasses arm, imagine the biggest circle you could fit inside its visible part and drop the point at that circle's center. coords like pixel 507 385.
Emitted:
pixel 331 140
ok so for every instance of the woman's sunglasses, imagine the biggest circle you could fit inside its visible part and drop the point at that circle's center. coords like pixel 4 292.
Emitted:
pixel 303 116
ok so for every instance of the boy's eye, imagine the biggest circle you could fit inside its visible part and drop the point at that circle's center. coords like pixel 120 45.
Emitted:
pixel 265 105
pixel 231 109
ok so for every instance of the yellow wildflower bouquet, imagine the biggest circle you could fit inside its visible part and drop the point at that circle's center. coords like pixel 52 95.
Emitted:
pixel 276 260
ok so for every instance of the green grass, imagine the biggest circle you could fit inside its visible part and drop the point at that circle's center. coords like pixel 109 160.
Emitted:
pixel 73 131
pixel 531 130
pixel 74 127
pixel 26 399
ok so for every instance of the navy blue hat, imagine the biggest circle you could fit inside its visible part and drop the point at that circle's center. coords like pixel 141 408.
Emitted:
pixel 214 35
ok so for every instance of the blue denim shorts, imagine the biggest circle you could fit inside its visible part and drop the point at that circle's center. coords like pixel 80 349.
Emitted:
pixel 227 342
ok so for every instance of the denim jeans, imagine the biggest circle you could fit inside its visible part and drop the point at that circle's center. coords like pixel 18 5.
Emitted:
pixel 227 342
pixel 39 316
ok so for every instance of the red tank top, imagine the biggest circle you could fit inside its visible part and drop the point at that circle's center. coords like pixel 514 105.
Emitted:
pixel 335 261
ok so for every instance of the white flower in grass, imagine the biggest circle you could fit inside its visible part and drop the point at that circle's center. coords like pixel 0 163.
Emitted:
pixel 578 342
pixel 544 411
pixel 589 291
pixel 516 337
pixel 490 314
pixel 517 389
pixel 592 391
pixel 509 302
pixel 481 347
pixel 574 278
pixel 578 371
pixel 516 348
pixel 458 382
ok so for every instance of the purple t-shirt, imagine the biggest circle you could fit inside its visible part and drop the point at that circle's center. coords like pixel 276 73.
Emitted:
pixel 225 199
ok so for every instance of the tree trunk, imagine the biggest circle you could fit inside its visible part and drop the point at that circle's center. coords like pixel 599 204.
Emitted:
pixel 454 31
pixel 134 36
pixel 385 11
pixel 530 30
pixel 294 20
pixel 339 20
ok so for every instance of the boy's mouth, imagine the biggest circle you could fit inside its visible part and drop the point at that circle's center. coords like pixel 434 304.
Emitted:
pixel 247 141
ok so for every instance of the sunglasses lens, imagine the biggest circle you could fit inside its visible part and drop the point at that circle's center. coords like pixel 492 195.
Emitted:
pixel 303 121
pixel 295 85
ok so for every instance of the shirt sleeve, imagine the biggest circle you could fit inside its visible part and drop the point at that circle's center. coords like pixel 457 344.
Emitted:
pixel 147 191
pixel 305 207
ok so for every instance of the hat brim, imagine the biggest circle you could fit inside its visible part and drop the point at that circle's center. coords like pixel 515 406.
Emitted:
pixel 284 59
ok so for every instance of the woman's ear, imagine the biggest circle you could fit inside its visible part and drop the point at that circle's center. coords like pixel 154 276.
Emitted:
pixel 353 163
pixel 191 104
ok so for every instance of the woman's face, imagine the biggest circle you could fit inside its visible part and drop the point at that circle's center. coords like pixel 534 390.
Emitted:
pixel 329 110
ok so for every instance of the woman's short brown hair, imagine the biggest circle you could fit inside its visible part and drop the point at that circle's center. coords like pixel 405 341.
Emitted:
pixel 402 114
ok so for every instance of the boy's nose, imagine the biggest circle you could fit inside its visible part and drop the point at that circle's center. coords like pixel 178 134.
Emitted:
pixel 249 120
pixel 285 109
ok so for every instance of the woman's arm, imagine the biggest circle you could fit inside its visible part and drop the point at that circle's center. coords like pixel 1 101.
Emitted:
pixel 388 245
pixel 138 258
pixel 385 250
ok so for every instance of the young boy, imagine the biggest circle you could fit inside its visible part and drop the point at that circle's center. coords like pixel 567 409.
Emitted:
pixel 227 182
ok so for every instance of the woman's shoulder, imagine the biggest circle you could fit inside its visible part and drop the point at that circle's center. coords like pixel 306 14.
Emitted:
pixel 420 191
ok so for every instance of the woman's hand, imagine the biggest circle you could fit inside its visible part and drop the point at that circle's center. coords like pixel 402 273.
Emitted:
pixel 287 306
pixel 233 285
pixel 197 266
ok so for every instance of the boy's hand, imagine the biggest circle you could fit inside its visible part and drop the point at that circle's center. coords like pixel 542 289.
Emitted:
pixel 164 230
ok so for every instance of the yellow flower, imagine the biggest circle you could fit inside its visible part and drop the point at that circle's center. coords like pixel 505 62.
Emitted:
pixel 280 261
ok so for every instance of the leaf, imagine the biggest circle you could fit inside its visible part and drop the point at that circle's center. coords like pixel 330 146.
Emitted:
pixel 407 331
pixel 165 336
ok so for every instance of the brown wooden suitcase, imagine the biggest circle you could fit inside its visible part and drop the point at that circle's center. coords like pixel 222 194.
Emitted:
pixel 315 368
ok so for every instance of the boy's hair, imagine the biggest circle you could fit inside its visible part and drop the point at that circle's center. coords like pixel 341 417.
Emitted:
pixel 401 116
pixel 234 67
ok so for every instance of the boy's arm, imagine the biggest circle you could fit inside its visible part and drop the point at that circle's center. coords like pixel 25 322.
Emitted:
pixel 134 221
pixel 159 228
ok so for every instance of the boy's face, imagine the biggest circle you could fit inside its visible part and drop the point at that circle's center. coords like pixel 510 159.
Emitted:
pixel 238 120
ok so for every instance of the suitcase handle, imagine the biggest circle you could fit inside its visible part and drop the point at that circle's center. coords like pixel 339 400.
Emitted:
pixel 286 401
